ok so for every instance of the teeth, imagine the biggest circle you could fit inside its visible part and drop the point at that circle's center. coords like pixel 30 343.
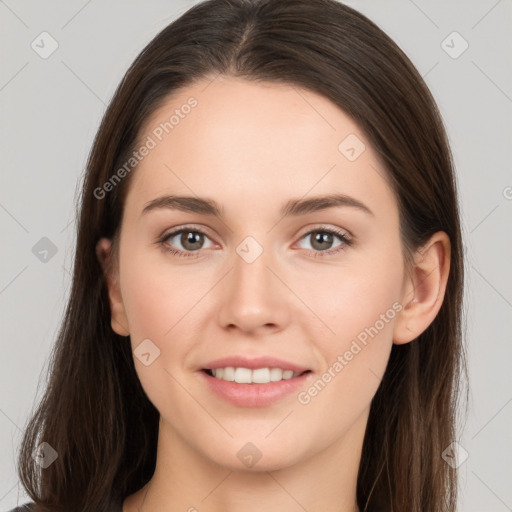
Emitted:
pixel 243 376
pixel 257 376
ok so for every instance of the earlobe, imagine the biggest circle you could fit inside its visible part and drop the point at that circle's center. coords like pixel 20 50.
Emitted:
pixel 424 289
pixel 119 321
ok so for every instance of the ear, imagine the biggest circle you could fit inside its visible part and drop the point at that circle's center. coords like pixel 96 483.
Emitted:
pixel 424 288
pixel 118 320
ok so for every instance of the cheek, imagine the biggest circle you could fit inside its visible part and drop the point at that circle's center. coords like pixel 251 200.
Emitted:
pixel 349 300
pixel 155 296
pixel 156 311
pixel 360 306
pixel 146 305
pixel 161 304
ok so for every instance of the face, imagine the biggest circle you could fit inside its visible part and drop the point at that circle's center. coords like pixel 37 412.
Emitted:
pixel 315 290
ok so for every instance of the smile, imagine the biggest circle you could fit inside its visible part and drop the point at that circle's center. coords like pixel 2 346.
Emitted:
pixel 258 387
pixel 242 375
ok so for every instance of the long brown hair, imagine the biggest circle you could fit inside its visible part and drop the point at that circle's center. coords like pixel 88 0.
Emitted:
pixel 95 413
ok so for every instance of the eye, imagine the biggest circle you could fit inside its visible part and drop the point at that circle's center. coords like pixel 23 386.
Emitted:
pixel 190 239
pixel 322 240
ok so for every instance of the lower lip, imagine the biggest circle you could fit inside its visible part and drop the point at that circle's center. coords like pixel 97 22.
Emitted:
pixel 254 395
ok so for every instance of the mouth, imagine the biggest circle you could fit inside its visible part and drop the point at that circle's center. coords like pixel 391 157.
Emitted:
pixel 258 387
pixel 241 375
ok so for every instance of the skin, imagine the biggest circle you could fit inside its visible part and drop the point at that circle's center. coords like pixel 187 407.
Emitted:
pixel 251 147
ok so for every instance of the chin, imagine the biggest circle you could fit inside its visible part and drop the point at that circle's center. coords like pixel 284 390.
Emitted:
pixel 254 457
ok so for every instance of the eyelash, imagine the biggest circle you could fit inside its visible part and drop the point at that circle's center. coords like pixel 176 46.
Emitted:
pixel 345 239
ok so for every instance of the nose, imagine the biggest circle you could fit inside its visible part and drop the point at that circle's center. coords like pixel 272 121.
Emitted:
pixel 254 298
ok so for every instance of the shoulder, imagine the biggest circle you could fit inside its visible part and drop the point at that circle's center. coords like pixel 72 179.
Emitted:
pixel 27 507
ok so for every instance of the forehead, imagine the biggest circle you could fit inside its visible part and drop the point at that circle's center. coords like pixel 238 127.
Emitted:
pixel 252 141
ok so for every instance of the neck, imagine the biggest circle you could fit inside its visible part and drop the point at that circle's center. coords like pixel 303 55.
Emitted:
pixel 185 480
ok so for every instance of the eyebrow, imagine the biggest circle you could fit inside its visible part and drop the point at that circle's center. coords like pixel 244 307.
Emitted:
pixel 293 207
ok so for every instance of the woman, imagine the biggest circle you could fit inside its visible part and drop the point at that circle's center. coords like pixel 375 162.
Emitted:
pixel 266 301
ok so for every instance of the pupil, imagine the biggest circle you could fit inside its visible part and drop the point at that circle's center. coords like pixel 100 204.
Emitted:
pixel 323 238
pixel 191 238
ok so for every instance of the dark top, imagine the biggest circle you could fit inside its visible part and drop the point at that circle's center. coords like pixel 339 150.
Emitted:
pixel 28 507
pixel 23 508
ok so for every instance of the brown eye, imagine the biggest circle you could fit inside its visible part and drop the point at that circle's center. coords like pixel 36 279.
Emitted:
pixel 323 240
pixel 184 240
pixel 191 240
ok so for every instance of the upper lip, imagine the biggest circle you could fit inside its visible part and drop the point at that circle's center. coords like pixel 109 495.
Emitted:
pixel 253 363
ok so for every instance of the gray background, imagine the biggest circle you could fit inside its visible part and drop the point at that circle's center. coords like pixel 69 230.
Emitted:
pixel 51 109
